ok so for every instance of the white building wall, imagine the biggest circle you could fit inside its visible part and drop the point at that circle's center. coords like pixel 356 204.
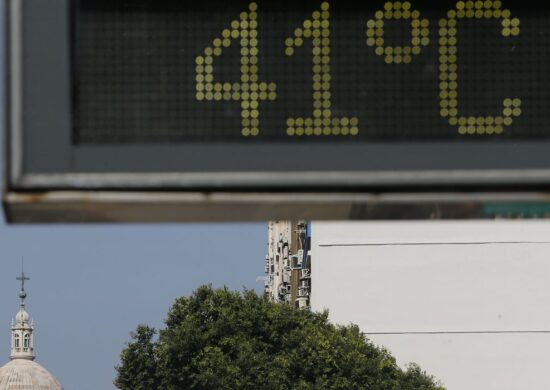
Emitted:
pixel 469 302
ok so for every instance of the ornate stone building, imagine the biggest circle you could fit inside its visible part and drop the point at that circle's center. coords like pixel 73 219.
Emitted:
pixel 22 372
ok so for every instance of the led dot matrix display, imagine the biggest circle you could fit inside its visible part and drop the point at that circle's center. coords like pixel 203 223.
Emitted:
pixel 310 71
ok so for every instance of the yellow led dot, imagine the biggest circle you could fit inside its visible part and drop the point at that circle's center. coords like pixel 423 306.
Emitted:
pixel 290 131
pixel 462 130
pixel 354 130
pixel 499 129
pixel 246 132
pixel 254 131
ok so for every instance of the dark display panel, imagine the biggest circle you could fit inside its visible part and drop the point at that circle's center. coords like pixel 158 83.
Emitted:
pixel 157 71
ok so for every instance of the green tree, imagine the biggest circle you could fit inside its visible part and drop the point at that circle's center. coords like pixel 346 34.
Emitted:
pixel 139 362
pixel 219 339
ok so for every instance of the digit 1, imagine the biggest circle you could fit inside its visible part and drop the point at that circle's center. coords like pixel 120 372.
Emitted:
pixel 322 123
pixel 420 32
pixel 448 67
pixel 249 92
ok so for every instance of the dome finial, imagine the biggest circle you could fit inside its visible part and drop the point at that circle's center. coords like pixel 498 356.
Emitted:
pixel 22 278
pixel 22 345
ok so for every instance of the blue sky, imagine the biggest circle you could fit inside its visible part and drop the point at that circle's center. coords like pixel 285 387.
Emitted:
pixel 91 285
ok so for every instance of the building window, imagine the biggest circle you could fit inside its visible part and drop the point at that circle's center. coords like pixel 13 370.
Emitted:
pixel 26 341
pixel 16 341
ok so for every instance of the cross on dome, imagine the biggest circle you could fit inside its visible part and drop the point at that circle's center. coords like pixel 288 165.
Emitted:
pixel 22 293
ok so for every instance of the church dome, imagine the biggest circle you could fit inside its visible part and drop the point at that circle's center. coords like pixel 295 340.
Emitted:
pixel 23 374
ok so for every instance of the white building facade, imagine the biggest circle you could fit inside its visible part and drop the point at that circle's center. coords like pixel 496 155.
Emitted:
pixel 468 301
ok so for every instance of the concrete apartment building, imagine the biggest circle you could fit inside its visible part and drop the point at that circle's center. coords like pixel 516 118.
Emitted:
pixel 288 263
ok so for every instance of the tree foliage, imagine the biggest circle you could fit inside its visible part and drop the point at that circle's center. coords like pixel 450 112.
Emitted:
pixel 219 339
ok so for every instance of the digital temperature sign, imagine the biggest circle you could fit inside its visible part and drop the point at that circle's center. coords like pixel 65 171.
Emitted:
pixel 300 71
pixel 171 110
